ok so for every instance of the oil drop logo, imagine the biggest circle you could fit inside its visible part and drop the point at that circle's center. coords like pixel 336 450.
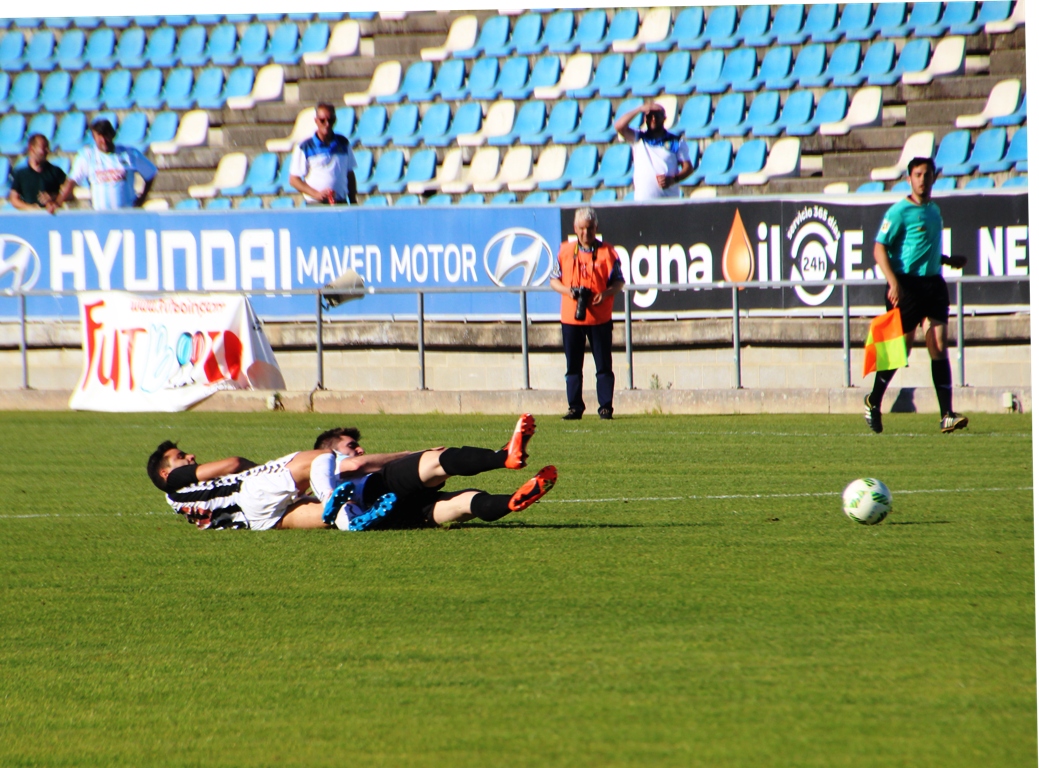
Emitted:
pixel 738 256
pixel 814 238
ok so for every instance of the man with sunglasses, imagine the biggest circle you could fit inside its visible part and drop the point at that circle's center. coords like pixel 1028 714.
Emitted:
pixel 322 167
pixel 660 160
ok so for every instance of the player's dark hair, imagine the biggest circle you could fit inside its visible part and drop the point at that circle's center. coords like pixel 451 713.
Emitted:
pixel 36 137
pixel 326 438
pixel 327 107
pixel 922 161
pixel 158 461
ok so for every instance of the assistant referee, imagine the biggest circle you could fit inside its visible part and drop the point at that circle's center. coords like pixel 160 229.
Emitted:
pixel 908 251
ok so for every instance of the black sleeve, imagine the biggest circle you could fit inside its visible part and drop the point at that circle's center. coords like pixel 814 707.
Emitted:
pixel 17 183
pixel 181 477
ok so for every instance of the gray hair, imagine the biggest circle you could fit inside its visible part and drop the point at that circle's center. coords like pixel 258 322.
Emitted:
pixel 586 214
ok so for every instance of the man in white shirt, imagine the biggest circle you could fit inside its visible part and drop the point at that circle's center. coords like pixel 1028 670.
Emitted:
pixel 659 159
pixel 322 167
pixel 109 169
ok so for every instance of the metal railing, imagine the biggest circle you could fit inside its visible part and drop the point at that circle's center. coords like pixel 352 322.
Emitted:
pixel 957 310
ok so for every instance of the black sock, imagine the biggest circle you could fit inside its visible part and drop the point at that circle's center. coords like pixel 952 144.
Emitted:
pixel 880 382
pixel 467 461
pixel 941 375
pixel 488 507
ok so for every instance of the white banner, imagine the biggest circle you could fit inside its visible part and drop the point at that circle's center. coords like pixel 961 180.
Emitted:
pixel 150 353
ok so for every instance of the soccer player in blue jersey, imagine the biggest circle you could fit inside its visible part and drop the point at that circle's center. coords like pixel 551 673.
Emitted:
pixel 322 167
pixel 908 252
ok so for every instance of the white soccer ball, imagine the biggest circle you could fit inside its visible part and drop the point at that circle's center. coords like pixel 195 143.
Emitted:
pixel 867 501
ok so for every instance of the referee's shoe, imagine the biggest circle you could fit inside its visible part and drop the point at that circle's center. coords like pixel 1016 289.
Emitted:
pixel 953 421
pixel 872 415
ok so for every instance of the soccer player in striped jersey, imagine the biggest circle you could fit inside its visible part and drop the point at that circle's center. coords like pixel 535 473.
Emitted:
pixel 110 170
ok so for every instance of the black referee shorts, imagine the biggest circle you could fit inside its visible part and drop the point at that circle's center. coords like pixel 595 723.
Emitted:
pixel 921 297
pixel 415 502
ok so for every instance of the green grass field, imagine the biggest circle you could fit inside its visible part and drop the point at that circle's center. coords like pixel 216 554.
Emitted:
pixel 689 595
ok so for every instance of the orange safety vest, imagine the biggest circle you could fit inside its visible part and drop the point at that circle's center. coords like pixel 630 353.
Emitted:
pixel 590 270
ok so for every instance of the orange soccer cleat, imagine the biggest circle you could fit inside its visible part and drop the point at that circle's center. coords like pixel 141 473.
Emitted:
pixel 517 445
pixel 533 489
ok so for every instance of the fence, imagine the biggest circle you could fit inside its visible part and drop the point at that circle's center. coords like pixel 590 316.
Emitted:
pixel 957 310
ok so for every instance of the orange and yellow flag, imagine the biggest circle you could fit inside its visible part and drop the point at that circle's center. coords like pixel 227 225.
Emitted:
pixel 885 344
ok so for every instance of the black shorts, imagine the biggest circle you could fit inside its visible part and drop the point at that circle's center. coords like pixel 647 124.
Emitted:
pixel 921 297
pixel 415 501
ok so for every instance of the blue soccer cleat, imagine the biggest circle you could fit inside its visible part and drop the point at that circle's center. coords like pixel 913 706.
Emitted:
pixel 343 493
pixel 382 507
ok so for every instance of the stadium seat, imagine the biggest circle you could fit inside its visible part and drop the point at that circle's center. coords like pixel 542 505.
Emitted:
pixel 483 169
pixel 694 119
pixel 12 134
pixel 843 68
pixel 591 31
pixel 100 50
pixel 25 92
pixel 545 75
pixel 288 48
pixel 914 57
pixel 641 79
pixel 385 81
pixel 146 92
pixel 70 50
pixel 570 197
pixel 788 26
pixel 920 144
pixel 721 27
pixel 1016 181
pixel 132 131
pixel 177 90
pixel 417 81
pixel 986 156
pixel 433 130
pixel 408 200
pixel 191 50
pixel 740 69
pixel 550 165
pixel 254 45
pixel 948 59
pixel 86 90
pixel 614 170
pixel 147 22
pixel 229 174
pixel 993 12
pixel 284 183
pixel 855 22
pixel 623 26
pixel 763 112
pixel 982 182
pixel 449 84
pixel 889 16
pixel 500 117
pixel 654 27
pixel 512 79
pixel 729 114
pixel 609 74
pixel 517 165
pixel 784 160
pixel 797 112
pixel 774 73
pixel 70 135
pixel 529 121
pixel 439 200
pixel 192 131
pixel 129 51
pixel 579 167
pixel 371 127
pixel 28 22
pixel 675 76
pixel 39 54
pixel 421 168
pixel 177 20
pixel 1002 101
pixel 163 128
pixel 749 159
pixel 188 204
pixel 559 34
pixel 483 80
pixel 707 72
pixel 461 37
pixel 878 63
pixel 503 198
pixel 494 35
pixel 1017 152
pixel 449 170
pixel 12 50
pixel 821 24
pixel 526 37
pixel 866 110
pixel 402 130
pixel 43 123
pixel 218 204
pixel 344 40
pixel 944 184
pixel 809 66
pixel 268 86
pixel 959 18
pixel 467 119
pixel 537 198
pixel 161 46
pixel 717 159
pixel 54 94
pixel 222 46
pixel 754 29
pixel 686 32
pixel 604 196
pixel 832 107
pixel 363 170
pixel 251 203
pixel 870 188
pixel 562 121
pixel 576 75
pixel 260 178
pixel 597 122
pixel 924 16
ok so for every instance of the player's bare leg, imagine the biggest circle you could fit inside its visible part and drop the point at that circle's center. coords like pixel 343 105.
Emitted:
pixel 491 507
pixel 303 514
pixel 468 461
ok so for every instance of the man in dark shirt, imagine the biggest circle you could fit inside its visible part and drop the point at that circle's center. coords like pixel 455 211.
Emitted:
pixel 36 185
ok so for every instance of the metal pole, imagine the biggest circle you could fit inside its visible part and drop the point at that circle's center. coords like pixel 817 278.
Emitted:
pixel 736 335
pixel 627 337
pixel 846 310
pixel 524 339
pixel 320 347
pixel 22 344
pixel 421 342
pixel 959 334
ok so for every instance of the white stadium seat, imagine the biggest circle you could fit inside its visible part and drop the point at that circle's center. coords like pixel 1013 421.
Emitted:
pixel 550 166
pixel 230 172
pixel 344 41
pixel 385 81
pixel 270 81
pixel 193 131
pixel 460 37
pixel 1003 100
pixel 918 145
pixel 866 110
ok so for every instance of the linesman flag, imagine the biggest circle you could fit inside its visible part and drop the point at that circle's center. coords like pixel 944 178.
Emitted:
pixel 885 344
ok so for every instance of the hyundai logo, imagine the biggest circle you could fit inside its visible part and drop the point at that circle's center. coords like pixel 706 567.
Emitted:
pixel 517 248
pixel 21 260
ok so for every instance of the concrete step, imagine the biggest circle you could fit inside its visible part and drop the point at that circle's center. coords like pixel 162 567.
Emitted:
pixel 942 112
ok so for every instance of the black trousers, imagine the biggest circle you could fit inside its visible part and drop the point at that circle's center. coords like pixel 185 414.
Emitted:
pixel 601 339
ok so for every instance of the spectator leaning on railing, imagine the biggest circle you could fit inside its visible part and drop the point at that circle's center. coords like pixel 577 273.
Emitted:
pixel 109 169
pixel 36 185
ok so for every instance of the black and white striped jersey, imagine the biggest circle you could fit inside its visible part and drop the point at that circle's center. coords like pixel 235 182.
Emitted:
pixel 207 503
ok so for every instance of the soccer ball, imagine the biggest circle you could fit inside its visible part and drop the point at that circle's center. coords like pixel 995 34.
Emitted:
pixel 867 501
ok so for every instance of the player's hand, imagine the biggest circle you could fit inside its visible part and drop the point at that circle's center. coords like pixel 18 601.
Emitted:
pixel 664 181
pixel 956 262
pixel 894 293
pixel 597 298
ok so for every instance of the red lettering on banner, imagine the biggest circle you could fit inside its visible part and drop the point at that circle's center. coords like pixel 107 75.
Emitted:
pixel 113 371
pixel 212 367
pixel 131 335
pixel 92 328
pixel 232 354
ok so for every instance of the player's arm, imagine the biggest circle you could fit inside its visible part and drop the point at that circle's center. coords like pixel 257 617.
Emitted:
pixel 16 200
pixel 139 201
pixel 620 125
pixel 301 186
pixel 955 261
pixel 214 469
pixel 65 192
pixel 368 463
pixel 880 256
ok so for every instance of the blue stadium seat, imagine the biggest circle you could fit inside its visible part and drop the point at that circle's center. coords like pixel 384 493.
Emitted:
pixel 70 50
pixel 5 91
pixel 512 81
pixel 265 17
pixel 991 10
pixel 687 32
pixel 251 203
pixel 86 22
pixel 958 14
pixel 449 84
pixel 12 49
pixel 890 19
pixel 591 32
pixel 763 112
pixel 809 67
pixel 44 124
pixel 86 90
pixel 100 50
pixel 855 21
pixel 775 68
pixel 129 51
pixel 676 74
pixel 433 131
pixel 71 133
pixel 315 38
pixel 177 92
pixel 441 199
pixel 208 88
pixel 260 179
pixel 25 92
pixel 843 67
pixel 717 159
pixel 503 198
pixel 145 94
pixel 595 114
pixel 54 95
pixel 403 130
pixel 218 204
pixel 641 79
pixel 147 22
pixel 371 128
pixel 562 121
pixel 923 20
pixel 602 196
pixel 483 79
pixel 285 44
pixel 797 112
pixel 626 106
pixel 222 46
pixel 163 127
pixel 870 188
pixel 708 71
pixel 473 198
pixel 1016 181
pixel 914 57
pixel 159 50
pixel 207 19
pixel 253 48
pixel 409 200
pixel 740 69
pixel 240 83
pixel 421 167
pixel 388 173
pixel 494 34
pixel 417 81
pixel 526 37
pixel 944 184
pixel 609 74
pixel 570 197
pixel 188 204
pixel 832 107
pixel 749 159
pixel 330 16
pixel 363 171
pixel 579 167
pixel 952 154
pixel 821 24
pixel 754 29
pixel 546 73
pixel 467 119
pixel 132 131
pixel 694 118
pixel 282 183
pixel 721 27
pixel 989 152
pixel 12 134
pixel 982 182
pixel 615 168
pixel 623 26
pixel 559 34
pixel 39 54
pixel 537 198
pixel 190 50
pixel 530 120
pixel 1017 153
pixel 597 122
pixel 27 22
pixel 877 63
pixel 788 26
pixel 731 109
pixel 5 176
pixel 299 16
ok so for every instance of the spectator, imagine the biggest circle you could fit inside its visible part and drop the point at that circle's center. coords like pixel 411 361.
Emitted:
pixel 660 159
pixel 36 185
pixel 323 166
pixel 109 169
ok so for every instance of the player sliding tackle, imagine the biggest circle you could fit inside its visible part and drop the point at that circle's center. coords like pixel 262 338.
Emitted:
pixel 397 490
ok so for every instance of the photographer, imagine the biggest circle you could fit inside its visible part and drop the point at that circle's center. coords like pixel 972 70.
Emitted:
pixel 587 273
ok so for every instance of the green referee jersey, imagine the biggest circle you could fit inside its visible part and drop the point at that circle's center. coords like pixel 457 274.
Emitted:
pixel 913 236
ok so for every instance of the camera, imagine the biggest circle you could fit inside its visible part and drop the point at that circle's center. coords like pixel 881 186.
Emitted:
pixel 584 297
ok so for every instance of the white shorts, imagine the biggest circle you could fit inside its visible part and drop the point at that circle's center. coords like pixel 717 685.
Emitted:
pixel 266 493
